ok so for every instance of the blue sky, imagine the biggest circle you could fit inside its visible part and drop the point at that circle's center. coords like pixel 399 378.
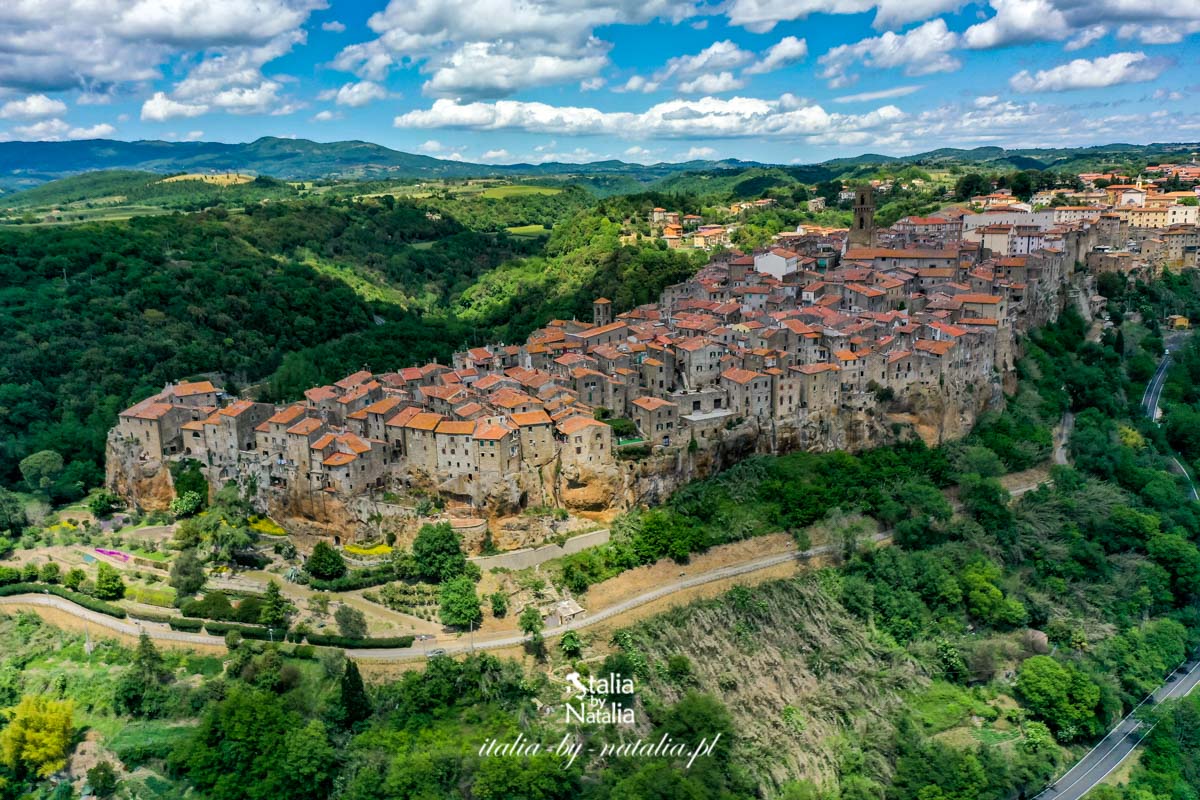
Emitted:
pixel 575 80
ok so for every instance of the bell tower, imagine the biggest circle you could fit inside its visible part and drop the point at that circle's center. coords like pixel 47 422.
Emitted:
pixel 601 312
pixel 862 232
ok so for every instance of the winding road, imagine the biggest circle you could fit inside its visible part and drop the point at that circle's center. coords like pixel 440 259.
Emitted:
pixel 1121 741
pixel 1152 395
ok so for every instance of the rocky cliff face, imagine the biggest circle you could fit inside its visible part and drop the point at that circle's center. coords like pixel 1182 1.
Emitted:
pixel 147 484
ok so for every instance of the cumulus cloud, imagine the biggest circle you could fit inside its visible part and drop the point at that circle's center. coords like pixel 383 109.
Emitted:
pixel 1020 21
pixel 639 155
pixel 921 51
pixel 707 117
pixel 356 95
pixel 160 108
pixel 333 26
pixel 711 83
pixel 326 116
pixel 443 37
pixel 761 16
pixel 498 156
pixel 56 130
pixel 1082 73
pixel 1083 38
pixel 698 154
pixel 591 84
pixel 95 44
pixel 882 94
pixel 638 83
pixel 32 107
pixel 490 69
pixel 787 50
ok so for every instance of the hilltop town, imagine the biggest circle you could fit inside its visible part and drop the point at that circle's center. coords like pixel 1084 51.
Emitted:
pixel 831 338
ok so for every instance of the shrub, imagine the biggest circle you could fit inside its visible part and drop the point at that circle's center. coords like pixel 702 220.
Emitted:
pixel 325 563
pixel 90 603
pixel 185 624
pixel 385 642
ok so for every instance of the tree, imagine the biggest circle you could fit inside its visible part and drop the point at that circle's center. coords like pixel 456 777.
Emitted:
pixel 460 604
pixel 1061 695
pixel 325 563
pixel 41 470
pixel 970 185
pixel 12 514
pixel 38 736
pixel 74 578
pixel 531 623
pixel 103 779
pixel 187 575
pixel 353 703
pixel 438 553
pixel 571 644
pixel 49 573
pixel 276 608
pixel 351 622
pixel 499 604
pixel 103 503
pixel 109 585
pixel 187 504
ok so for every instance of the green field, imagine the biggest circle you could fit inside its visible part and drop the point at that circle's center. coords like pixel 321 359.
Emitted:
pixel 529 230
pixel 501 192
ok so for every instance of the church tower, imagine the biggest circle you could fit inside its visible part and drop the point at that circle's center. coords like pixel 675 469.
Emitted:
pixel 862 233
pixel 601 312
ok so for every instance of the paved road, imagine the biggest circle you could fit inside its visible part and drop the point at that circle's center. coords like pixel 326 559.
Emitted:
pixel 1152 395
pixel 511 640
pixel 129 627
pixel 1121 740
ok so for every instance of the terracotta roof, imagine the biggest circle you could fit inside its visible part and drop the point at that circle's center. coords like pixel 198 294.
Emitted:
pixel 453 428
pixel 652 403
pixel 194 388
pixel 425 421
pixel 339 459
pixel 740 376
pixel 401 419
pixel 306 426
pixel 576 424
pixel 286 415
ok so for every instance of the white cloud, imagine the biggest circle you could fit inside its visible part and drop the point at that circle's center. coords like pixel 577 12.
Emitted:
pixel 711 84
pixel 707 117
pixel 1091 33
pixel 638 84
pixel 787 50
pixel 591 84
pixel 698 154
pixel 95 44
pixel 430 146
pixel 193 136
pixel 882 94
pixel 333 26
pixel 489 69
pixel 56 130
pixel 161 108
pixel 499 156
pixel 326 116
pixel 444 37
pixel 1020 21
pixel 761 16
pixel 32 107
pixel 1158 34
pixel 97 131
pixel 920 51
pixel 639 155
pixel 359 94
pixel 1082 73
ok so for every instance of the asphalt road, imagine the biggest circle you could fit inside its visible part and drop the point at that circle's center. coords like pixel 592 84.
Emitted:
pixel 1152 395
pixel 1108 754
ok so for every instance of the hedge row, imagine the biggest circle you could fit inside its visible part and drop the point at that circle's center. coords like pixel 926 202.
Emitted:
pixel 186 624
pixel 88 602
pixel 150 616
pixel 327 640
pixel 247 631
pixel 356 579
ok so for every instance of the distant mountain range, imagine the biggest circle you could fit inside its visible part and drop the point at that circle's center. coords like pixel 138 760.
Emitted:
pixel 27 164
